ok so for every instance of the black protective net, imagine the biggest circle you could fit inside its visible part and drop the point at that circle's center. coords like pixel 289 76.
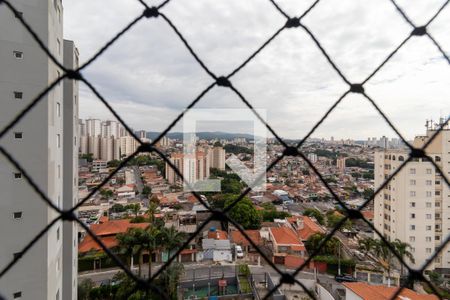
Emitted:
pixel 292 23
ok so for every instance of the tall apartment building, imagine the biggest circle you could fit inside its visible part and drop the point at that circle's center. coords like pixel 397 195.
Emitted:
pixel 340 164
pixel 217 158
pixel 70 172
pixel 415 206
pixel 194 167
pixel 37 142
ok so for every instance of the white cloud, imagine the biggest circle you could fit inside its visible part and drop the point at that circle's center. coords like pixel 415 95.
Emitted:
pixel 149 76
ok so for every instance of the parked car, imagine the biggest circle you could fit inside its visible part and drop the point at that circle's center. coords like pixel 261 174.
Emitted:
pixel 239 252
pixel 345 278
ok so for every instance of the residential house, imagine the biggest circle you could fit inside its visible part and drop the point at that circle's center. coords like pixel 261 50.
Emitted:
pixel 285 241
pixel 365 291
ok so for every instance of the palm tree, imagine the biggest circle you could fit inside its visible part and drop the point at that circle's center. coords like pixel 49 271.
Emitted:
pixel 171 239
pixel 151 211
pixel 126 244
pixel 139 239
pixel 403 250
pixel 366 245
pixel 382 251
pixel 170 277
pixel 152 240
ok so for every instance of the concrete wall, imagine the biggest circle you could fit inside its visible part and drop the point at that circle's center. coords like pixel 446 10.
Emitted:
pixel 70 180
pixel 38 275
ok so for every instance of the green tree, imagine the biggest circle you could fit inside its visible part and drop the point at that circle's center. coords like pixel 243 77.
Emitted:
pixel 169 278
pixel 366 245
pixel 87 156
pixel 368 193
pixel 84 288
pixel 333 219
pixel 146 190
pixel 151 211
pixel 134 207
pixel 244 212
pixel 315 213
pixel 106 194
pixel 171 239
pixel 117 208
pixel 113 163
pixel 151 242
pixel 403 249
pixel 126 244
pixel 331 247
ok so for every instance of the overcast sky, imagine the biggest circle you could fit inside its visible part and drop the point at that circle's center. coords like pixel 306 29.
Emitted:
pixel 149 76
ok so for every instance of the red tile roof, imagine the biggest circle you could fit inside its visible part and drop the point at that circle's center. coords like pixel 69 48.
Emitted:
pixel 238 238
pixel 309 228
pixel 218 235
pixel 285 236
pixel 381 292
pixel 107 232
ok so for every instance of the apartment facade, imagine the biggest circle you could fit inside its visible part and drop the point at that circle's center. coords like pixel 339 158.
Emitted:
pixel 217 158
pixel 194 167
pixel 415 206
pixel 37 142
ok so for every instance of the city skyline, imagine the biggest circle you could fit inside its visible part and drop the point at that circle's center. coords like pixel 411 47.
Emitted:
pixel 156 90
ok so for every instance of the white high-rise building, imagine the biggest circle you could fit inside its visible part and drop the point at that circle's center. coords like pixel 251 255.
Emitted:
pixel 38 142
pixel 93 127
pixel 70 171
pixel 415 206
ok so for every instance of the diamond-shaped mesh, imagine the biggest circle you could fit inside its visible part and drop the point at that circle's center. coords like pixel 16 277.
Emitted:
pixel 292 23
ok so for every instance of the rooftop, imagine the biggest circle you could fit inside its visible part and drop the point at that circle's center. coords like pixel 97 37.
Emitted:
pixel 381 292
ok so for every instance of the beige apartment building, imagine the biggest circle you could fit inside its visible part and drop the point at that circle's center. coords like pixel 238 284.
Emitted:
pixel 217 158
pixel 194 167
pixel 415 206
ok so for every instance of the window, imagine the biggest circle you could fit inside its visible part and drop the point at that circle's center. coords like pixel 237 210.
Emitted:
pixel 412 193
pixel 17 295
pixel 437 193
pixel 428 182
pixel 437 238
pixel 75 99
pixel 17 215
pixel 429 171
pixel 437 158
pixel 400 158
pixel 18 54
pixel 57 295
pixel 437 182
pixel 428 204
pixel 412 238
pixel 17 175
pixel 18 14
pixel 412 171
pixel 59 171
pixel 17 255
pixel 412 204
pixel 57 234
pixel 17 135
pixel 437 204
pixel 18 95
pixel 58 140
pixel 428 250
pixel 428 239
pixel 58 109
pixel 428 216
pixel 428 228
pixel 428 194
pixel 412 182
pixel 412 216
pixel 412 227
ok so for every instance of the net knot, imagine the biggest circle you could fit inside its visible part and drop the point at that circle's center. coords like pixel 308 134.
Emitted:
pixel 290 151
pixel 417 153
pixel 293 23
pixel 419 31
pixel 354 214
pixel 356 88
pixel 287 278
pixel 223 81
pixel 145 148
pixel 68 216
pixel 151 12
pixel 74 75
